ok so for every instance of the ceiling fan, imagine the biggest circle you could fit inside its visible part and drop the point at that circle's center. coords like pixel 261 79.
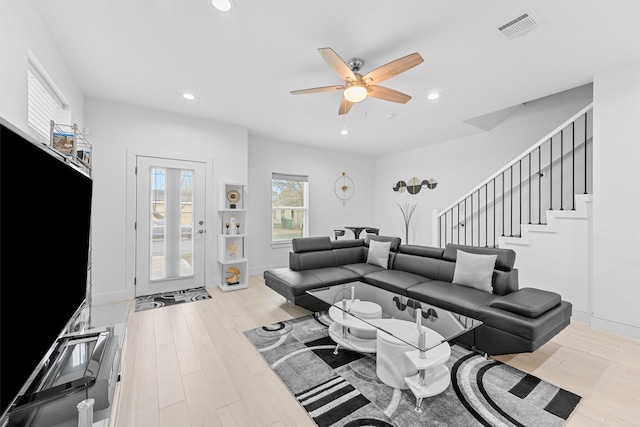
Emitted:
pixel 357 87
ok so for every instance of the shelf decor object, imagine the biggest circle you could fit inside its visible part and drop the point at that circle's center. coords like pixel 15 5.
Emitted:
pixel 71 143
pixel 232 248
pixel 233 196
pixel 233 276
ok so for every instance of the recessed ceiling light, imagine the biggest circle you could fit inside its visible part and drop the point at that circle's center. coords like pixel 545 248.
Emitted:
pixel 344 132
pixel 188 96
pixel 433 96
pixel 222 5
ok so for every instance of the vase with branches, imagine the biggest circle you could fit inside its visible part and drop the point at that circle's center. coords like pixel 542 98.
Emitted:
pixel 407 212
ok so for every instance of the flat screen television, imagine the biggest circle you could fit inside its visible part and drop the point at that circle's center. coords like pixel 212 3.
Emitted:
pixel 45 211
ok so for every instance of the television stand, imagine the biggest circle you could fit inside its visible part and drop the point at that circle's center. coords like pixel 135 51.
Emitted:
pixel 81 365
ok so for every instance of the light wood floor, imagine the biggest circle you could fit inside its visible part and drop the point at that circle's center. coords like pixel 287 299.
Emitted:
pixel 190 365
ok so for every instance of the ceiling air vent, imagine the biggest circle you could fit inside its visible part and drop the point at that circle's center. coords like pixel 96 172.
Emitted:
pixel 520 26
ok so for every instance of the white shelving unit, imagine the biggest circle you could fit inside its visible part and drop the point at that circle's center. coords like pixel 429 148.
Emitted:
pixel 232 260
pixel 70 142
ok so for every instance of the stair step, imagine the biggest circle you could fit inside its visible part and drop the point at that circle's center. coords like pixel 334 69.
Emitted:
pixel 581 212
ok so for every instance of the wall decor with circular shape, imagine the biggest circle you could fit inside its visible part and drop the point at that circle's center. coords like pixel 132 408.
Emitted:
pixel 414 185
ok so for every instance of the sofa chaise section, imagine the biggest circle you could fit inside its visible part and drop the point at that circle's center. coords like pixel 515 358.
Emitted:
pixel 317 262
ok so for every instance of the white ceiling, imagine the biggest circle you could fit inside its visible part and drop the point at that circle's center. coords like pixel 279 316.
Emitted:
pixel 242 64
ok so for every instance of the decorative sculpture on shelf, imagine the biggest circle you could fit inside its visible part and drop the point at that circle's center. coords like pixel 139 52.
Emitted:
pixel 232 248
pixel 233 277
pixel 233 196
pixel 232 221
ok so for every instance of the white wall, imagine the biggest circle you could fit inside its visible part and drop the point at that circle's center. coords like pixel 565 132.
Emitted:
pixel 117 128
pixel 616 207
pixel 21 31
pixel 327 211
pixel 461 164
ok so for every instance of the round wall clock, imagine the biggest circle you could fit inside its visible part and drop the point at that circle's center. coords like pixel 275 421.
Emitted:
pixel 343 187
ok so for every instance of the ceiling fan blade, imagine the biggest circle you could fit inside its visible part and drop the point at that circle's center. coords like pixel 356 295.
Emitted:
pixel 393 68
pixel 386 94
pixel 317 89
pixel 340 67
pixel 345 106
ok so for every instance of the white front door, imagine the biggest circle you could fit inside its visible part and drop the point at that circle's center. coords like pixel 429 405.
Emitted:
pixel 170 227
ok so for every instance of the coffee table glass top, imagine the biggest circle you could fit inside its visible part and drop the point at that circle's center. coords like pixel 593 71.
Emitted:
pixel 361 310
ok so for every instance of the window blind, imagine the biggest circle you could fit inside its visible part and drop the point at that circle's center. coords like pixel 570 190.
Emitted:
pixel 43 105
pixel 289 177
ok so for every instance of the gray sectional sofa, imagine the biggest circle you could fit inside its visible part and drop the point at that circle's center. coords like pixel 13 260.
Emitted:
pixel 515 320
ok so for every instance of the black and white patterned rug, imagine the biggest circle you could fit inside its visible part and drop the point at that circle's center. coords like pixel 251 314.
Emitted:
pixel 149 302
pixel 344 390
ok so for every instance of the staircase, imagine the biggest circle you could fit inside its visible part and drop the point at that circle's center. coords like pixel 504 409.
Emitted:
pixel 539 205
pixel 548 183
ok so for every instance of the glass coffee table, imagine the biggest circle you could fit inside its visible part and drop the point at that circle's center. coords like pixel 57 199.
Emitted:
pixel 409 338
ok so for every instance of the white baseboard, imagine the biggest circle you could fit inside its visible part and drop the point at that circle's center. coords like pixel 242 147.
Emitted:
pixel 617 328
pixel 108 298
pixel 581 316
pixel 606 325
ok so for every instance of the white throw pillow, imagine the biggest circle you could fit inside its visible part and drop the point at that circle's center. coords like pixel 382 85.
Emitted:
pixel 378 253
pixel 474 270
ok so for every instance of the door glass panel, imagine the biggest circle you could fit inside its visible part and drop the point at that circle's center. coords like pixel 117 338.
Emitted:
pixel 157 221
pixel 186 222
pixel 171 222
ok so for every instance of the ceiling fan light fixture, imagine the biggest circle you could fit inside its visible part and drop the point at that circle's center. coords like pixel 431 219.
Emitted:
pixel 222 5
pixel 355 91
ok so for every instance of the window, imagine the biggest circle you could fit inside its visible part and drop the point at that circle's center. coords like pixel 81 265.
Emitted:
pixel 45 102
pixel 289 207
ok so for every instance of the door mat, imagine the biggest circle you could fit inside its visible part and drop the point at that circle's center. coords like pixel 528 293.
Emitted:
pixel 344 390
pixel 149 302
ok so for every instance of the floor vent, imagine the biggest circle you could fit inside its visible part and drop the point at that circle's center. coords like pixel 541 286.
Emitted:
pixel 520 26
